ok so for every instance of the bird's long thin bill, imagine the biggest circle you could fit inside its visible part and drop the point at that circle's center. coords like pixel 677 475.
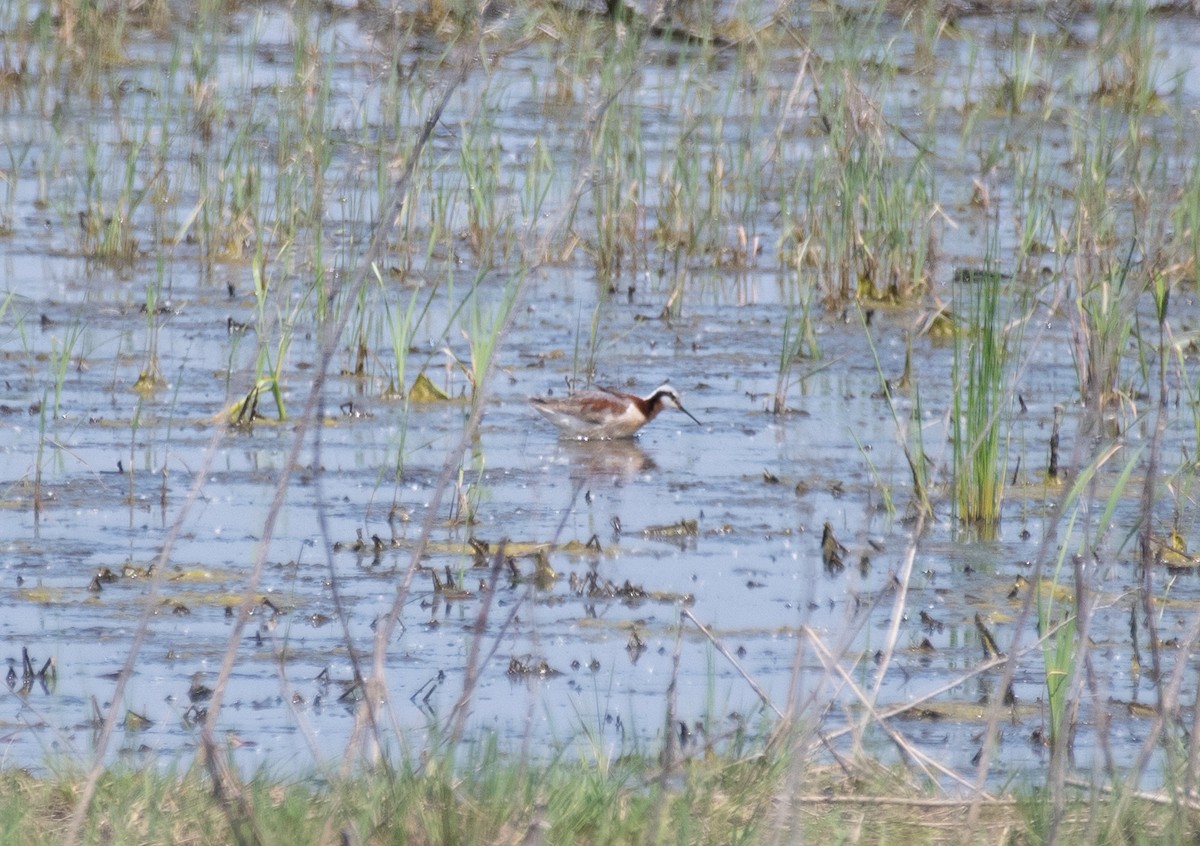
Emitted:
pixel 689 414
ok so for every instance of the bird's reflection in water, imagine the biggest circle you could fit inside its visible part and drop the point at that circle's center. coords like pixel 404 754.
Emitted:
pixel 601 462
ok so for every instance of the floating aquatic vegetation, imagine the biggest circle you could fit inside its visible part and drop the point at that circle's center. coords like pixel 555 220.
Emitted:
pixel 682 529
pixel 423 390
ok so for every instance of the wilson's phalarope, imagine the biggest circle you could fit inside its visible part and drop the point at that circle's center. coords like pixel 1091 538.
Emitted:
pixel 605 414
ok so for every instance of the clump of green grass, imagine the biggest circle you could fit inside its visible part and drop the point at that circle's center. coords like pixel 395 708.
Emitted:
pixel 979 404
pixel 479 164
pixel 484 328
pixel 620 177
pixel 486 799
pixel 799 342
pixel 107 225
pixel 1105 319
pixel 1125 70
pixel 494 800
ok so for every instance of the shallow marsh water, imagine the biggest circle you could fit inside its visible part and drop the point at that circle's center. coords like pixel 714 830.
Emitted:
pixel 110 468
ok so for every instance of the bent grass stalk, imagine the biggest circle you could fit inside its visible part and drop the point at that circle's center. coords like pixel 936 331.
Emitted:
pixel 883 487
pixel 150 379
pixel 61 359
pixel 799 341
pixel 585 371
pixel 401 325
pixel 483 330
pixel 37 467
pixel 135 423
pixel 479 158
pixel 1105 313
pixel 1060 648
pixel 912 442
pixel 17 153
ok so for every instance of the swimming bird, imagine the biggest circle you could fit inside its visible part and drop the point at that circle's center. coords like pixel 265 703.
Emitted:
pixel 605 414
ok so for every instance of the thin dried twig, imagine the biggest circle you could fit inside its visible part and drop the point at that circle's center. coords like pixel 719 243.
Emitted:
pixel 720 647
pixel 926 762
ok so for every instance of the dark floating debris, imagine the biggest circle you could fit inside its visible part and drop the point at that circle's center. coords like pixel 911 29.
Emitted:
pixel 362 544
pixel 46 676
pixel 978 275
pixel 832 551
pixel 990 649
pixel 527 666
pixel 194 715
pixel 592 587
pixel 1019 584
pixel 1052 469
pixel 449 589
pixel 198 691
pixel 543 577
pixel 236 327
pixel 349 410
pixel 425 691
pixel 480 549
pixel 635 646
